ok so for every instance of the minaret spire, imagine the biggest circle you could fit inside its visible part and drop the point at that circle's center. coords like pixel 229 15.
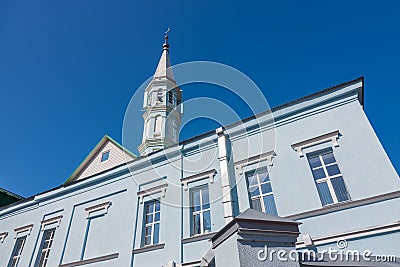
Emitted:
pixel 162 107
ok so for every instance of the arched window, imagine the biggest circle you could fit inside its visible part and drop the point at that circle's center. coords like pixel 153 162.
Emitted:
pixel 157 124
pixel 160 95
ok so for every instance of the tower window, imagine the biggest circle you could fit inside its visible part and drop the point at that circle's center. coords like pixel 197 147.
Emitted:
pixel 328 178
pixel 170 97
pixel 160 95
pixel 158 124
pixel 105 156
pixel 260 189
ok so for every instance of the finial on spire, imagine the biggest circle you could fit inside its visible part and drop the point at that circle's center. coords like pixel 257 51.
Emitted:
pixel 166 45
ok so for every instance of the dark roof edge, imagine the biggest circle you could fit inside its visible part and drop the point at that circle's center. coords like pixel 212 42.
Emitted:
pixel 11 194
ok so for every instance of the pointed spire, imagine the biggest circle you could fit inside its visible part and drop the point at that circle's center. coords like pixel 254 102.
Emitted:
pixel 164 69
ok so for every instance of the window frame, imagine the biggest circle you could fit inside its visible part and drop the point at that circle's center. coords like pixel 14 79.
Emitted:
pixel 328 178
pixel 200 212
pixel 104 153
pixel 46 250
pixel 261 195
pixel 17 254
pixel 151 224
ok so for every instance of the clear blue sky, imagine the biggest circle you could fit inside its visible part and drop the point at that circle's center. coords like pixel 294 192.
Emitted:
pixel 68 68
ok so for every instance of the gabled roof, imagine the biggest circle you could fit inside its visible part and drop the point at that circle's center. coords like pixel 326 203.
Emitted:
pixel 7 197
pixel 94 153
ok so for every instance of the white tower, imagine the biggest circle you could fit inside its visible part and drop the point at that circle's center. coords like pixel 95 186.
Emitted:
pixel 162 107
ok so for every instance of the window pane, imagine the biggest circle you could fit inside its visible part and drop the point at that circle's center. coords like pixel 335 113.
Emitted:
pixel 264 177
pixel 147 231
pixel 324 193
pixel 254 191
pixel 196 200
pixel 147 240
pixel 256 204
pixel 252 180
pixel 149 218
pixel 156 233
pixel 196 224
pixel 207 221
pixel 333 170
pixel 269 204
pixel 318 173
pixel 266 188
pixel 328 158
pixel 205 198
pixel 314 162
pixel 157 217
pixel 340 189
pixel 149 208
pixel 157 206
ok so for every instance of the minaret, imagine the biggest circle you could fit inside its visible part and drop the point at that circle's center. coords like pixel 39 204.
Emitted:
pixel 162 107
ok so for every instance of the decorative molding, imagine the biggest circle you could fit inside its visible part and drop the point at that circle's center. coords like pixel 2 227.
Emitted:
pixel 148 248
pixel 210 174
pixel 344 205
pixel 54 220
pixel 153 190
pixel 90 261
pixel 333 136
pixel 3 236
pixel 268 157
pixel 197 237
pixel 103 206
pixel 353 234
pixel 26 228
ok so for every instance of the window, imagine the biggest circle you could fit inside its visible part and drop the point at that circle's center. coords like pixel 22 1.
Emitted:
pixel 160 95
pixel 201 218
pixel 157 124
pixel 105 156
pixel 47 242
pixel 16 254
pixel 151 223
pixel 327 176
pixel 170 97
pixel 260 189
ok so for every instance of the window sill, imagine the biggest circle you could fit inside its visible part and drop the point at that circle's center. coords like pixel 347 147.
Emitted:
pixel 90 261
pixel 197 237
pixel 148 248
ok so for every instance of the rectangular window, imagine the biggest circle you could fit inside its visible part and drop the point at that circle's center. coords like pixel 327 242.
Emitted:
pixel 45 246
pixel 329 180
pixel 17 251
pixel 151 223
pixel 200 206
pixel 260 190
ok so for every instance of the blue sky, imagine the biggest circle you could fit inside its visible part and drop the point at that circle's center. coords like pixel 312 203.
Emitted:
pixel 68 68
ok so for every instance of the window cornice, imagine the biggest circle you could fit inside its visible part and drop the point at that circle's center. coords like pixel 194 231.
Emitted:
pixel 3 236
pixel 153 190
pixel 207 174
pixel 100 207
pixel 55 220
pixel 268 157
pixel 26 228
pixel 332 136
